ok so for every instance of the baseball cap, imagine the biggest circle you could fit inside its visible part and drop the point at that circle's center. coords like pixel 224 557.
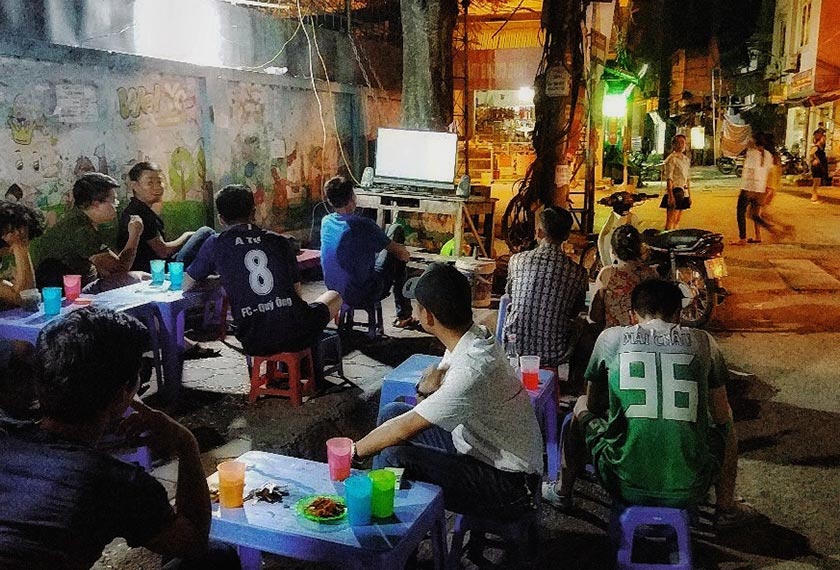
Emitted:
pixel 445 292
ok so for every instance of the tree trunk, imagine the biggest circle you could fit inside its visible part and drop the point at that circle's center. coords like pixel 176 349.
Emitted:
pixel 427 26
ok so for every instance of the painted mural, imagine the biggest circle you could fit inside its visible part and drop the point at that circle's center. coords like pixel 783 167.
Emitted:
pixel 64 120
pixel 271 138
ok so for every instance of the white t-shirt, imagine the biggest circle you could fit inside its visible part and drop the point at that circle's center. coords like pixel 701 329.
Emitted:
pixel 676 169
pixel 485 407
pixel 757 172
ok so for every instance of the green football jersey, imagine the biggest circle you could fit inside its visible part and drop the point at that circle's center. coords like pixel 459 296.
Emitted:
pixel 659 445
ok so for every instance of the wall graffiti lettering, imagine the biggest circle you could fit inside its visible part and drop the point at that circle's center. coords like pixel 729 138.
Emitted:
pixel 167 102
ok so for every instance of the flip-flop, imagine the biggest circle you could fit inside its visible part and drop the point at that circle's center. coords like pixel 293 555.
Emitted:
pixel 407 324
pixel 197 352
pixel 751 240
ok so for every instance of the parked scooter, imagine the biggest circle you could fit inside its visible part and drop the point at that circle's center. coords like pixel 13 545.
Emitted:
pixel 792 163
pixel 730 164
pixel 691 257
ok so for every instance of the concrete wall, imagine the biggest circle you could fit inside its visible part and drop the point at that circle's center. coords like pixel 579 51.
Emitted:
pixel 67 110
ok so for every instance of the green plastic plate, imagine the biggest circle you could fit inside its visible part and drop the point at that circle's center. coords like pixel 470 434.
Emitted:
pixel 300 508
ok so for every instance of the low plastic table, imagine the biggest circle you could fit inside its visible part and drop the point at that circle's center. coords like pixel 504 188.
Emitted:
pixel 402 380
pixel 276 528
pixel 151 303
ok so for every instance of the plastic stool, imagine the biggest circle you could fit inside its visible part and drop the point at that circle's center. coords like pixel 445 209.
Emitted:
pixel 375 325
pixel 523 533
pixel 504 306
pixel 628 523
pixel 296 363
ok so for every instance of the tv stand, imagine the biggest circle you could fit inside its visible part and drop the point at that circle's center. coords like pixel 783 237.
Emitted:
pixel 475 211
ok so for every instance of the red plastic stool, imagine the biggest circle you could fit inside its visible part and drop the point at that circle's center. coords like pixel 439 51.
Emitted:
pixel 296 364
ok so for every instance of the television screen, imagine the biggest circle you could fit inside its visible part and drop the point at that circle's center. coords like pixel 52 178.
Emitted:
pixel 423 157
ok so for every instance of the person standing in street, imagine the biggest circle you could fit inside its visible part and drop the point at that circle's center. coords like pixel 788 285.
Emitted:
pixel 677 183
pixel 819 165
pixel 758 166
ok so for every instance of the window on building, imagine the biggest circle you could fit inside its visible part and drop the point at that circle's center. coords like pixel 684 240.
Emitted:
pixel 805 33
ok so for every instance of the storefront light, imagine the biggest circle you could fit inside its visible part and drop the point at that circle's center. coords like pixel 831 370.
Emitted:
pixel 526 95
pixel 615 105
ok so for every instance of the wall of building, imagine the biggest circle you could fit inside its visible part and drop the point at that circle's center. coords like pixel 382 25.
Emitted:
pixel 69 110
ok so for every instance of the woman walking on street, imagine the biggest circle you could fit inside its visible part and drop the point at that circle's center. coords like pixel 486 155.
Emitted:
pixel 758 166
pixel 677 180
pixel 819 165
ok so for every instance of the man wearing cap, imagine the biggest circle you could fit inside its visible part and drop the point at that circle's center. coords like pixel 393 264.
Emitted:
pixel 473 431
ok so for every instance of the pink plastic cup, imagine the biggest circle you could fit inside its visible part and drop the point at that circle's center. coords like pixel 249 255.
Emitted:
pixel 72 287
pixel 338 457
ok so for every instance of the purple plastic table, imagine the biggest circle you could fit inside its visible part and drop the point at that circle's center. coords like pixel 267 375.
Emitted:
pixel 152 303
pixel 402 379
pixel 385 544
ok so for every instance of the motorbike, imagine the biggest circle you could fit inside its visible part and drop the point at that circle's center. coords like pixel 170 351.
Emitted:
pixel 691 257
pixel 792 163
pixel 730 164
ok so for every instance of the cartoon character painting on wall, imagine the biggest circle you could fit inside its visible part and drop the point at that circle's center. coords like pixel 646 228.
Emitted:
pixel 23 119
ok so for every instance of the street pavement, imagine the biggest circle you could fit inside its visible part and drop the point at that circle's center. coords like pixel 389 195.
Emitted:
pixel 778 330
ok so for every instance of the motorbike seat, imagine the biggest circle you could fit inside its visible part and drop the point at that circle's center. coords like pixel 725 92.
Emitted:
pixel 684 240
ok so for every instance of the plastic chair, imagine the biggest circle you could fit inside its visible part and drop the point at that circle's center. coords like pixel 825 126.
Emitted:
pixel 295 363
pixel 504 305
pixel 521 533
pixel 654 525
pixel 375 325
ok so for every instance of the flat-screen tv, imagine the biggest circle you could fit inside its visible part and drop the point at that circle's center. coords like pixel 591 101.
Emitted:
pixel 419 158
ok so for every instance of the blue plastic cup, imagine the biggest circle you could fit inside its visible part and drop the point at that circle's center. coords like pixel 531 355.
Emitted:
pixel 176 275
pixel 358 492
pixel 52 300
pixel 157 266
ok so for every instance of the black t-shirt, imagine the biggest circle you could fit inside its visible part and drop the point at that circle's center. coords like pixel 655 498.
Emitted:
pixel 61 502
pixel 258 270
pixel 152 228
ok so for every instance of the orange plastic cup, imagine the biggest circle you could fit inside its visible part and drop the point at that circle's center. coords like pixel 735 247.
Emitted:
pixel 231 484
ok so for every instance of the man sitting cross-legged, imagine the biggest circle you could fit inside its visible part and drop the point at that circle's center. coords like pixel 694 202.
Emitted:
pixel 359 259
pixel 62 499
pixel 259 272
pixel 656 419
pixel 473 432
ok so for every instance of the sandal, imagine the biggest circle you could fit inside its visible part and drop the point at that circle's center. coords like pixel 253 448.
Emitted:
pixel 407 324
pixel 197 352
pixel 562 503
pixel 751 240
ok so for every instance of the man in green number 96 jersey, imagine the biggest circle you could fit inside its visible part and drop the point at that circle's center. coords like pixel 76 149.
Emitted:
pixel 667 435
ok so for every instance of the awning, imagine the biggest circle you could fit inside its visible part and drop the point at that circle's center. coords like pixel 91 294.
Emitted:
pixel 822 98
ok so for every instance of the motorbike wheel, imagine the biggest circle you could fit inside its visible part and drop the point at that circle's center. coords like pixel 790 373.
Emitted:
pixel 691 275
pixel 590 260
pixel 725 167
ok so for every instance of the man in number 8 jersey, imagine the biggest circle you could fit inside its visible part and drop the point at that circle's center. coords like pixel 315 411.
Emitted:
pixel 667 435
pixel 259 272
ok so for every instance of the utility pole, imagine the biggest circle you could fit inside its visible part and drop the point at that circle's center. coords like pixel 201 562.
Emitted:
pixel 714 119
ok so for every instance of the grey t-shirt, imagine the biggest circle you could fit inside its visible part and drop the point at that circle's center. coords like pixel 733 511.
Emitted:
pixel 484 406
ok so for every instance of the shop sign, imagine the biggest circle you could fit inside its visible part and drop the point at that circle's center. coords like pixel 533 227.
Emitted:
pixel 599 46
pixel 802 81
pixel 557 81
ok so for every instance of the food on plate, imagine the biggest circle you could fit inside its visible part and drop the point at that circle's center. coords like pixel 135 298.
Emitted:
pixel 325 507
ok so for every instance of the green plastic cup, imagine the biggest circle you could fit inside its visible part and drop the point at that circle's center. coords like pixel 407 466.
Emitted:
pixel 382 498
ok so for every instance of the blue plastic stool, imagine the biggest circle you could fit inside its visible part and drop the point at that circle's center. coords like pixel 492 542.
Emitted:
pixel 401 380
pixel 522 533
pixel 375 325
pixel 626 524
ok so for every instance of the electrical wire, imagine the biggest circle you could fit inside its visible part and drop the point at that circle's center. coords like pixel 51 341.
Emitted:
pixel 282 49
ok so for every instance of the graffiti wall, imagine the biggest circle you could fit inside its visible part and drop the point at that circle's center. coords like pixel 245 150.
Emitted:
pixel 277 141
pixel 60 121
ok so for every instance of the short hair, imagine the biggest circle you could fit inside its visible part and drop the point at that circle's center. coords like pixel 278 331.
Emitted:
pixel 446 293
pixel 675 138
pixel 15 216
pixel 656 297
pixel 235 203
pixel 138 169
pixel 83 359
pixel 626 243
pixel 339 191
pixel 557 223
pixel 92 187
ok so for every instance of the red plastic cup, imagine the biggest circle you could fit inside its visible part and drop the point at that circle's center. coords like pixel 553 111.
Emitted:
pixel 529 367
pixel 338 457
pixel 72 287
